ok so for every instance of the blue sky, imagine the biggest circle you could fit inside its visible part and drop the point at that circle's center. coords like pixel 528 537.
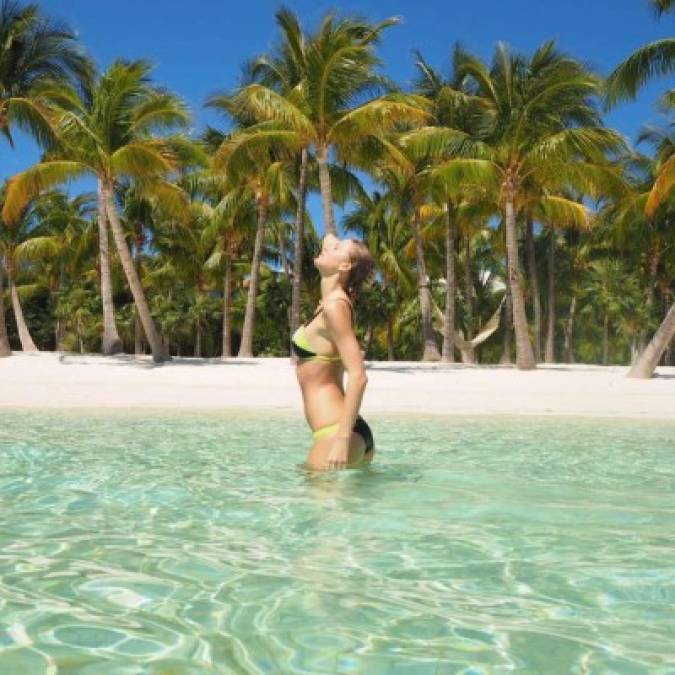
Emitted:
pixel 198 48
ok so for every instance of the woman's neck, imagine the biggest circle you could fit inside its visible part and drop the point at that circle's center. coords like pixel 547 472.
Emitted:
pixel 331 287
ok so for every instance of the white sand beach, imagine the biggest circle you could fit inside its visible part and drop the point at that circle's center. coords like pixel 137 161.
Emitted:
pixel 68 380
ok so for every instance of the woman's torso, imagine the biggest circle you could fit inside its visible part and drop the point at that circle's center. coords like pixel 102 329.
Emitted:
pixel 321 381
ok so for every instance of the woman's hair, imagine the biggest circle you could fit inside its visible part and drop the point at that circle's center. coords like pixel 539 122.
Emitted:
pixel 361 269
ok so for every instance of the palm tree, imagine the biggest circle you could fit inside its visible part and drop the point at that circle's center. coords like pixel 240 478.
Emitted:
pixel 32 48
pixel 104 131
pixel 286 73
pixel 251 160
pixel 12 242
pixel 225 232
pixel 545 132
pixel 404 175
pixel 378 220
pixel 61 245
pixel 653 60
pixel 321 113
pixel 455 110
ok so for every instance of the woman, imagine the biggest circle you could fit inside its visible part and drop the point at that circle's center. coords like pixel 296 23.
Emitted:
pixel 324 348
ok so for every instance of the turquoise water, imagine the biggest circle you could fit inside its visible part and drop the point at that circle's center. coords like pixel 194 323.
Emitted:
pixel 179 543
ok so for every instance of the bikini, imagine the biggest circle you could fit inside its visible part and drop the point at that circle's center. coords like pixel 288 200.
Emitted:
pixel 303 350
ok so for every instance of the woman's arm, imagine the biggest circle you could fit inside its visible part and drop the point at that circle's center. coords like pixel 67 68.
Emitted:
pixel 339 324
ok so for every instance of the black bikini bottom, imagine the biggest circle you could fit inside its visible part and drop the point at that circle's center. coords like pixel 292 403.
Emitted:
pixel 361 427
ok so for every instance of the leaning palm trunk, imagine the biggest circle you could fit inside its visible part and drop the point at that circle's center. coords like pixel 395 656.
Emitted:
pixel 534 286
pixel 156 345
pixel 111 339
pixel 326 192
pixel 139 347
pixel 430 347
pixel 549 357
pixel 299 240
pixel 246 347
pixel 646 364
pixel 448 349
pixel 5 348
pixel 227 286
pixel 27 344
pixel 524 355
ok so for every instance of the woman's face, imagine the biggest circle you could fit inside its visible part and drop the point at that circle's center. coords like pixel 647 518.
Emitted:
pixel 334 256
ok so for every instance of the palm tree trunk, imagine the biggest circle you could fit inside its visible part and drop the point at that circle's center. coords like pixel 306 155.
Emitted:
pixel 468 287
pixel 78 328
pixel 227 286
pixel 299 242
pixel 646 364
pixel 524 355
pixel 534 286
pixel 430 352
pixel 156 345
pixel 138 333
pixel 550 330
pixel 246 346
pixel 27 344
pixel 326 192
pixel 369 339
pixel 282 250
pixel 448 349
pixel 605 340
pixel 390 339
pixel 198 342
pixel 111 343
pixel 569 332
pixel 139 337
pixel 653 270
pixel 508 326
pixel 5 348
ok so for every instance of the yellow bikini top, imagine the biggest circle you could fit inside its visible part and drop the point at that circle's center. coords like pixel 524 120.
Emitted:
pixel 303 349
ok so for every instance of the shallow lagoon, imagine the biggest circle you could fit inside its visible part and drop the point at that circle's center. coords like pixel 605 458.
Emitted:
pixel 169 542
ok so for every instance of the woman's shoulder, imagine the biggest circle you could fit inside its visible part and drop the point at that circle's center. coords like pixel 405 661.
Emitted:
pixel 335 298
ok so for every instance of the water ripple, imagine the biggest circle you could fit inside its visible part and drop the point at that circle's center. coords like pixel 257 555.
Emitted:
pixel 196 543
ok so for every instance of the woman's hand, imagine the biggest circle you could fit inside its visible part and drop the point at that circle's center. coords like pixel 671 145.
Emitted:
pixel 338 454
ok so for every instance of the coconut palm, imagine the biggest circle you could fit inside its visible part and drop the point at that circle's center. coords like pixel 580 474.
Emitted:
pixel 654 59
pixel 32 48
pixel 61 245
pixel 252 160
pixel 452 108
pixel 404 175
pixel 651 230
pixel 328 110
pixel 12 241
pixel 379 222
pixel 104 131
pixel 285 71
pixel 225 233
pixel 546 132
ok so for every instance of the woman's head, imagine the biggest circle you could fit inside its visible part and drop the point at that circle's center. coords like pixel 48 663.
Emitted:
pixel 350 259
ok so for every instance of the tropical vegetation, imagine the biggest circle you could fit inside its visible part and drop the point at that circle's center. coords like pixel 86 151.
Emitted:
pixel 508 222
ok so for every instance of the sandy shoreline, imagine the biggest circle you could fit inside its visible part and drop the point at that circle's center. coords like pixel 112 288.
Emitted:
pixel 66 380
